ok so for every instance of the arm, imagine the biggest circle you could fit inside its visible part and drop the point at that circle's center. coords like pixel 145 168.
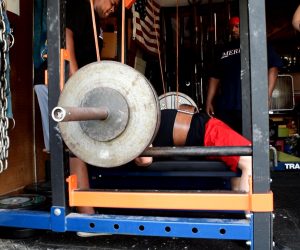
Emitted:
pixel 296 19
pixel 272 77
pixel 143 161
pixel 211 93
pixel 71 48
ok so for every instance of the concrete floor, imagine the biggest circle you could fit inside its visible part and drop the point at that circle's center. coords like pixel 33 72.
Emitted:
pixel 285 186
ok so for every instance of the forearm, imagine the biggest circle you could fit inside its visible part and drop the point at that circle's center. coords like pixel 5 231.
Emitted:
pixel 296 19
pixel 212 89
pixel 272 78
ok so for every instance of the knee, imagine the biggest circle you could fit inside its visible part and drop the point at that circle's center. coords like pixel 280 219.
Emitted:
pixel 245 164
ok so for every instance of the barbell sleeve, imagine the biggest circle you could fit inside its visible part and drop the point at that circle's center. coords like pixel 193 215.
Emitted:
pixel 65 114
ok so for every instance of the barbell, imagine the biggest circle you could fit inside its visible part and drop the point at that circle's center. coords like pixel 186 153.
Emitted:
pixel 108 114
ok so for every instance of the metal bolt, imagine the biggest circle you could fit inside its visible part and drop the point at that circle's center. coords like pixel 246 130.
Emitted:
pixel 248 243
pixel 271 180
pixel 273 216
pixel 274 244
pixel 248 216
pixel 57 212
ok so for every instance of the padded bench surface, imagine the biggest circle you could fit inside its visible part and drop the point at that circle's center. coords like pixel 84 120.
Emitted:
pixel 164 175
pixel 171 168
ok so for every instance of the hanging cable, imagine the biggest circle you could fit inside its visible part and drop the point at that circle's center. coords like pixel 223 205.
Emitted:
pixel 159 53
pixel 177 53
pixel 123 33
pixel 95 30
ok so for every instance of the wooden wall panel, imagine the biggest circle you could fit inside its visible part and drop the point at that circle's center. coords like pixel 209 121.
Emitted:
pixel 21 166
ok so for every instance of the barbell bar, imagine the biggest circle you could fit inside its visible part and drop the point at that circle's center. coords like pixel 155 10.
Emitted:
pixel 197 151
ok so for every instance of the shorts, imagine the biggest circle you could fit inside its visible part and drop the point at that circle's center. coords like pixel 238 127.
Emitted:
pixel 217 133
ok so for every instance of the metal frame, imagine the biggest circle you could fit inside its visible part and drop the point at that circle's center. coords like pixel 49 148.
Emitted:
pixel 55 21
pixel 263 224
pixel 225 229
pixel 256 228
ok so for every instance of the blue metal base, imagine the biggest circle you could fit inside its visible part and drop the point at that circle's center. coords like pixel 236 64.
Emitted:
pixel 225 229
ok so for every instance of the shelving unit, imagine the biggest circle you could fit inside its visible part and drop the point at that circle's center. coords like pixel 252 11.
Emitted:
pixel 285 140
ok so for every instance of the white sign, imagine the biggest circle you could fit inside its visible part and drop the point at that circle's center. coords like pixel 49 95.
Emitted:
pixel 292 165
pixel 13 6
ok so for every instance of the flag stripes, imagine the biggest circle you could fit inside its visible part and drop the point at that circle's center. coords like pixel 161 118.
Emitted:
pixel 146 27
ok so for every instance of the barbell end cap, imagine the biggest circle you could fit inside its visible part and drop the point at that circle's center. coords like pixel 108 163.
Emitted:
pixel 58 114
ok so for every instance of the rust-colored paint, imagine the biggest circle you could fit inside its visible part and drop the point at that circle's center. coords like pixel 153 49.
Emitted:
pixel 64 58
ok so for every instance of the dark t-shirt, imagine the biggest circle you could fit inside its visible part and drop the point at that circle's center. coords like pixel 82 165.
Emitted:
pixel 227 68
pixel 79 20
pixel 195 135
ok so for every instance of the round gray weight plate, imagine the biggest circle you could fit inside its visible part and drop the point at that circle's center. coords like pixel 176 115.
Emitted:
pixel 143 109
pixel 169 100
pixel 22 201
pixel 115 123
pixel 158 108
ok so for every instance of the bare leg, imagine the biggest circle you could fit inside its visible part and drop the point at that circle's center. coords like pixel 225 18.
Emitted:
pixel 79 168
pixel 242 183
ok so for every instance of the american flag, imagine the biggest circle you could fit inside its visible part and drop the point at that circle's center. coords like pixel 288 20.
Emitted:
pixel 146 28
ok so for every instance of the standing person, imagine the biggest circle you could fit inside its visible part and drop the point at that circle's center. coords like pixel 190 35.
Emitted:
pixel 80 40
pixel 80 43
pixel 296 19
pixel 224 88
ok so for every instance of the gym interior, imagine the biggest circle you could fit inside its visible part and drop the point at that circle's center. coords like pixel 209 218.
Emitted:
pixel 182 200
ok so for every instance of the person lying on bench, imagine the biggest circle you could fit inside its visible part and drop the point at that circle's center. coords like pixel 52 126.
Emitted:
pixel 205 131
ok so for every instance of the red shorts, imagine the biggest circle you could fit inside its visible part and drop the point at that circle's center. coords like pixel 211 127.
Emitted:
pixel 217 133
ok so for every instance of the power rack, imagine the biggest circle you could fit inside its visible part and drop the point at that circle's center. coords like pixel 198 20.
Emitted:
pixel 256 228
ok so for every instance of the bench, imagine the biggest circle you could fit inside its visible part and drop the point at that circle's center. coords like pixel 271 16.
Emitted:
pixel 164 174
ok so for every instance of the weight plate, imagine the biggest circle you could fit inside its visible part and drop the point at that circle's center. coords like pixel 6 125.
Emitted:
pixel 117 119
pixel 42 188
pixel 158 112
pixel 22 201
pixel 169 100
pixel 143 118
